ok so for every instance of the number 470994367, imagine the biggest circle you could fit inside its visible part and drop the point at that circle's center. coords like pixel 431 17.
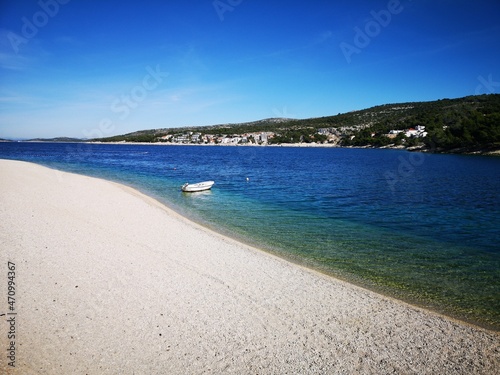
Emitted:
pixel 11 286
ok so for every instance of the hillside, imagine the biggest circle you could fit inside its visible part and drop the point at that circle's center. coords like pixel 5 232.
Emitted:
pixel 57 139
pixel 459 125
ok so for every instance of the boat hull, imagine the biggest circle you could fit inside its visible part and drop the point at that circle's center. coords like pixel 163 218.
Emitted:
pixel 200 186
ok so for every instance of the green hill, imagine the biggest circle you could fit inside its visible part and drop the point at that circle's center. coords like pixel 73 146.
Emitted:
pixel 462 125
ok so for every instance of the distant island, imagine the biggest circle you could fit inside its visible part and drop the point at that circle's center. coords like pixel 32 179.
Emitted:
pixel 464 125
pixel 57 140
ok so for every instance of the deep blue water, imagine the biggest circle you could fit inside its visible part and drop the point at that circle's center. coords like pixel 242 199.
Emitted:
pixel 420 227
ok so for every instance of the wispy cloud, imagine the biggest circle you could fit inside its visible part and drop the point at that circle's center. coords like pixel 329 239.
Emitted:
pixel 16 99
pixel 324 37
pixel 11 61
pixel 32 53
pixel 65 39
pixel 189 98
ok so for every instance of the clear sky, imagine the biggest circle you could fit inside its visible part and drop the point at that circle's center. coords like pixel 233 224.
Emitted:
pixel 100 68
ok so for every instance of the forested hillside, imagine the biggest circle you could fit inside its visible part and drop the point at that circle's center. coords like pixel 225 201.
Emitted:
pixel 467 123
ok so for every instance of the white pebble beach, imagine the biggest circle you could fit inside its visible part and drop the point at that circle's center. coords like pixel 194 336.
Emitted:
pixel 110 281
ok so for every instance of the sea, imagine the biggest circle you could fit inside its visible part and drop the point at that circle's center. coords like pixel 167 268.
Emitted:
pixel 422 228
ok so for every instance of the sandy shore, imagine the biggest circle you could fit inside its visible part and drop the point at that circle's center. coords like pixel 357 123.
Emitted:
pixel 109 281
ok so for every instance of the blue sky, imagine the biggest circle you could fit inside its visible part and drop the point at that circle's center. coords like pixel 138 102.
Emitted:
pixel 89 69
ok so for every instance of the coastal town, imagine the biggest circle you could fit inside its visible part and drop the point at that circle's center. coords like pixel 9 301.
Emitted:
pixel 322 136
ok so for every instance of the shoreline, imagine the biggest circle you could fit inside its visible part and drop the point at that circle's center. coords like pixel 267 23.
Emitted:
pixel 489 151
pixel 413 297
pixel 111 267
pixel 469 314
pixel 398 295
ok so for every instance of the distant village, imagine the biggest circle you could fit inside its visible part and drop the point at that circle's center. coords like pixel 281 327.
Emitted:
pixel 417 132
pixel 212 139
pixel 330 136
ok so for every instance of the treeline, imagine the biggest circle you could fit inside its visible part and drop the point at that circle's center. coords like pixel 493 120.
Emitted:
pixel 470 129
pixel 466 123
pixel 304 135
pixel 142 138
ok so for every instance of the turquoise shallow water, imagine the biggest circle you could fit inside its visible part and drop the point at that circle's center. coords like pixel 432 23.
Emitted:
pixel 423 228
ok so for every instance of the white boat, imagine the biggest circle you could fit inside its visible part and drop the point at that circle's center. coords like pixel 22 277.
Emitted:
pixel 200 186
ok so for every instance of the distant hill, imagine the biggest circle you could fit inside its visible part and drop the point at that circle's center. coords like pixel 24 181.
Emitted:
pixel 57 139
pixel 152 135
pixel 461 125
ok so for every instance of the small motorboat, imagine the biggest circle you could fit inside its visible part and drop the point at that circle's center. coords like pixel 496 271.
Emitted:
pixel 200 186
